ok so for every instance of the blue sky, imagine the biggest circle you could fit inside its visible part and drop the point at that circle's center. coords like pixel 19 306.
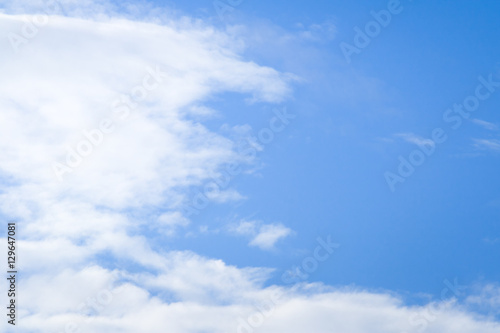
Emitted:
pixel 325 175
pixel 119 216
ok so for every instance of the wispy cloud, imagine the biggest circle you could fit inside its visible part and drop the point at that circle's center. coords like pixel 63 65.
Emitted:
pixel 169 222
pixel 325 31
pixel 491 241
pixel 487 144
pixel 414 139
pixel 485 124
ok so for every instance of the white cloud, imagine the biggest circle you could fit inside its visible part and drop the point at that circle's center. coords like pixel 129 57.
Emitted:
pixel 269 234
pixel 415 139
pixel 63 81
pixel 131 308
pixel 262 235
pixel 71 89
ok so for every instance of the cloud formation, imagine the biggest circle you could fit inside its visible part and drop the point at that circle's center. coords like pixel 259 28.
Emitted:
pixel 87 262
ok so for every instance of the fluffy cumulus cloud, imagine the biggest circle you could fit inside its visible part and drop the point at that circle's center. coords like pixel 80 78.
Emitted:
pixel 102 133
